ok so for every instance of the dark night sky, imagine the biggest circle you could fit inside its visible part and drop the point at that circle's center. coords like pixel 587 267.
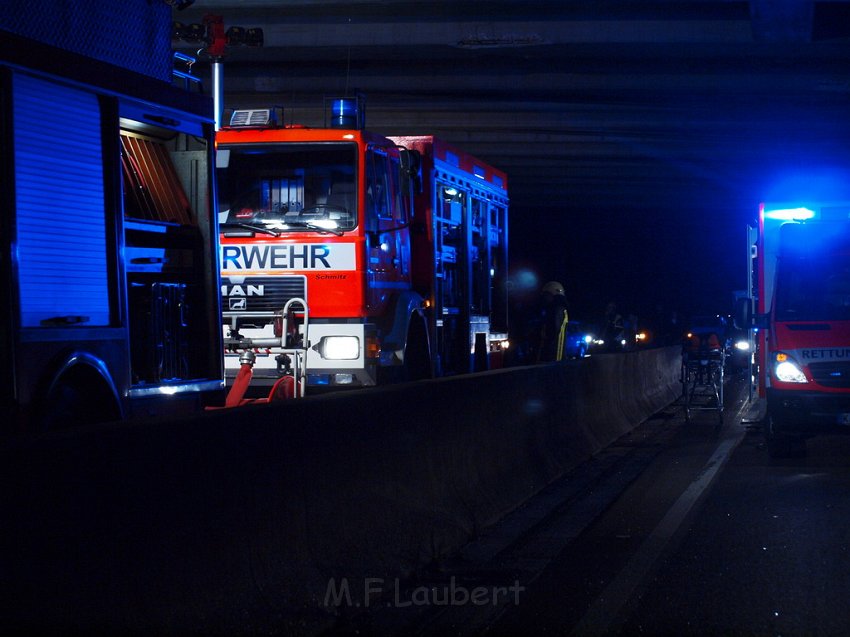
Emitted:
pixel 688 266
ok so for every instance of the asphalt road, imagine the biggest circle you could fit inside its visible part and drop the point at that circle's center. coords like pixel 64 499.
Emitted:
pixel 767 554
pixel 681 528
pixel 762 550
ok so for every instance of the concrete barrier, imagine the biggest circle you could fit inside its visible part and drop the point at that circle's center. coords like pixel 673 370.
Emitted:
pixel 236 521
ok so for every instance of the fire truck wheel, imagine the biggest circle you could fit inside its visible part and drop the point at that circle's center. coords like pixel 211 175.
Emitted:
pixel 417 358
pixel 78 398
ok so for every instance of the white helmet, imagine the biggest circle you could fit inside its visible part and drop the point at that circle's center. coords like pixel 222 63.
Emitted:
pixel 553 288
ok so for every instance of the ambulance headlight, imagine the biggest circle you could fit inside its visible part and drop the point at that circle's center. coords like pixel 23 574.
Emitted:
pixel 787 371
pixel 340 348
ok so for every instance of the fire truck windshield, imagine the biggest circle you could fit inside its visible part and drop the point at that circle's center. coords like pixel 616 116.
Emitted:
pixel 813 288
pixel 288 187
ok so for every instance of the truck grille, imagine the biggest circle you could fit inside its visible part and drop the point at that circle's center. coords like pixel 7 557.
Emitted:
pixel 261 293
pixel 835 374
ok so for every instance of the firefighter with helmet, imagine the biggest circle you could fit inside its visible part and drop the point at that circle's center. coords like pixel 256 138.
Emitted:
pixel 553 322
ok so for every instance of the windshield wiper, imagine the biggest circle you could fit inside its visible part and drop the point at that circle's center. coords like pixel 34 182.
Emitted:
pixel 312 225
pixel 249 226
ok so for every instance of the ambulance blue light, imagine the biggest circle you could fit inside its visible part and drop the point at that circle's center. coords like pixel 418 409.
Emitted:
pixel 790 214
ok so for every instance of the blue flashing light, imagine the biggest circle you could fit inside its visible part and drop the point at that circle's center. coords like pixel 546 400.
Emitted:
pixel 790 214
pixel 345 113
pixel 318 379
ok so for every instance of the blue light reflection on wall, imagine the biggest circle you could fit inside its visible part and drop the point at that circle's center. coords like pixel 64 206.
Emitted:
pixel 814 183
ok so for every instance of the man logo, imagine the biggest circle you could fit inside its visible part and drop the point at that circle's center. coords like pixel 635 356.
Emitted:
pixel 238 304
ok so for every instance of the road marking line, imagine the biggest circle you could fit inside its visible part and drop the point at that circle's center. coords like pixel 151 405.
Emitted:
pixel 604 614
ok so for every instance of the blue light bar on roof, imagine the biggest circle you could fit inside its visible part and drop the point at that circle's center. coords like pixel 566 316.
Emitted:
pixel 790 214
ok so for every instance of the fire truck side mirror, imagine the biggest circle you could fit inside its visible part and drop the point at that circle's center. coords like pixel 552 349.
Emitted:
pixel 743 317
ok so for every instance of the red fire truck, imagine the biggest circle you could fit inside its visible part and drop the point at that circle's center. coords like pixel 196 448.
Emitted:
pixel 398 246
pixel 108 235
pixel 801 279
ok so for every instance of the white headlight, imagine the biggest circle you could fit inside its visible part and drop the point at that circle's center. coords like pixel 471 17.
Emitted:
pixel 341 348
pixel 788 372
pixel 742 345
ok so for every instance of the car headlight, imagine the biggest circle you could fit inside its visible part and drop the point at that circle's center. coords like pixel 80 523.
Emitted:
pixel 742 345
pixel 787 371
pixel 341 348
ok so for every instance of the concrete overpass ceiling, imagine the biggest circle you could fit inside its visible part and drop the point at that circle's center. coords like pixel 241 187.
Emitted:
pixel 592 107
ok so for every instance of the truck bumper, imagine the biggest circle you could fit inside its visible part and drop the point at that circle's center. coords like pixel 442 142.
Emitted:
pixel 321 372
pixel 801 412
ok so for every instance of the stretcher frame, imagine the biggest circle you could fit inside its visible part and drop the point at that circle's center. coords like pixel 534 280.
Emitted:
pixel 702 378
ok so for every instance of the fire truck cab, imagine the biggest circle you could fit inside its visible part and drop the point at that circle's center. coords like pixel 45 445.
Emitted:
pixel 351 222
